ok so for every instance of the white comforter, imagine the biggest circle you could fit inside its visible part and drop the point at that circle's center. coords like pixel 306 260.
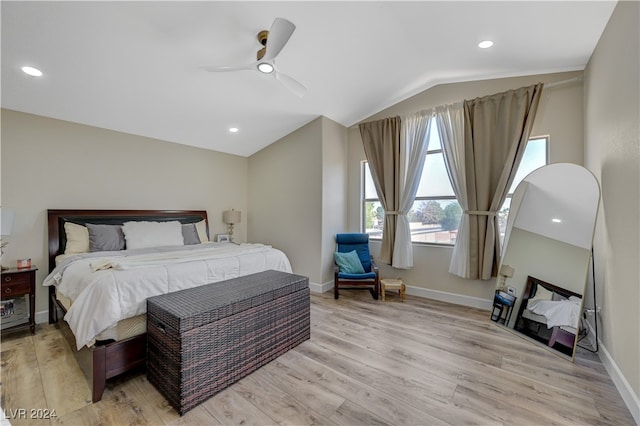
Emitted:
pixel 564 312
pixel 107 287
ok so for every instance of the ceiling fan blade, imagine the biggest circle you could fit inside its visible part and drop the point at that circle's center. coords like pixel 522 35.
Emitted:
pixel 290 83
pixel 279 34
pixel 251 66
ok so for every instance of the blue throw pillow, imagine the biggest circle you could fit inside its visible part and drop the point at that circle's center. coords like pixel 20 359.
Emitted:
pixel 349 263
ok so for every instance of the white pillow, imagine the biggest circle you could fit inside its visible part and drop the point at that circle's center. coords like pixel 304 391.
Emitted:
pixel 201 229
pixel 77 238
pixel 542 294
pixel 152 234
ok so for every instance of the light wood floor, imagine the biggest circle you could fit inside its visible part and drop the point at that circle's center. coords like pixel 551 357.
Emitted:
pixel 368 362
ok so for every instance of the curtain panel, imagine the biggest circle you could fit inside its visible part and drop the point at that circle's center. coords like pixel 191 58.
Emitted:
pixel 381 141
pixel 450 121
pixel 496 130
pixel 413 151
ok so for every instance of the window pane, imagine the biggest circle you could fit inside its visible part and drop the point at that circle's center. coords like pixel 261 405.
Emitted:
pixel 434 181
pixel 535 155
pixel 503 214
pixel 435 221
pixel 369 187
pixel 434 137
pixel 373 219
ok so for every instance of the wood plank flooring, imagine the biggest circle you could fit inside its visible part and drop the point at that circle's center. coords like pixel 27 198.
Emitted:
pixel 368 362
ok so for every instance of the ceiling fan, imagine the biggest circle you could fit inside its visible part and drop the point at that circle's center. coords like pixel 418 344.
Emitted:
pixel 273 41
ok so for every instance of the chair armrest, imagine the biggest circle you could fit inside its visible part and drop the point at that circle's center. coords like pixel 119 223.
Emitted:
pixel 374 267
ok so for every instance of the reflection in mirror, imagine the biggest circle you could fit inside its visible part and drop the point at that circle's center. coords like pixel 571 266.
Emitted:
pixel 547 249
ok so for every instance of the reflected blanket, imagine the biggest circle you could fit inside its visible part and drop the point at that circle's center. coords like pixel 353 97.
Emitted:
pixel 558 313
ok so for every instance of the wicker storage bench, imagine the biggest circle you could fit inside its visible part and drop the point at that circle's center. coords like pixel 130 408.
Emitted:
pixel 203 339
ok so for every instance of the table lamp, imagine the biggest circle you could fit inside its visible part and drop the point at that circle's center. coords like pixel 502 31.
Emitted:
pixel 506 271
pixel 231 217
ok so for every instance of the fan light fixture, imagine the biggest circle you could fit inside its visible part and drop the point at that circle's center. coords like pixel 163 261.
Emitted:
pixel 272 42
pixel 34 72
pixel 265 67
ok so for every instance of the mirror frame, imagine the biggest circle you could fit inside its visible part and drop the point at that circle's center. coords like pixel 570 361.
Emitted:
pixel 558 177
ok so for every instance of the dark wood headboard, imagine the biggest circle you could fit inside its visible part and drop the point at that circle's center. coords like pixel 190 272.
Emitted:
pixel 57 218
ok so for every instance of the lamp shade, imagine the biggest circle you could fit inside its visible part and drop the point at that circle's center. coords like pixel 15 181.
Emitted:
pixel 6 220
pixel 231 217
pixel 507 271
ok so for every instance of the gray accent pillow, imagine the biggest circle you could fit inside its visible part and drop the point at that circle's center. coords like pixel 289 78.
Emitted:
pixel 105 237
pixel 190 234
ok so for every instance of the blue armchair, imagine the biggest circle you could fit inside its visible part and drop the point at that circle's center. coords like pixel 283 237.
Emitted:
pixel 367 277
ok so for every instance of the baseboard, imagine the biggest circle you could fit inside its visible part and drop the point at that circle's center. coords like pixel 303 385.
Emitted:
pixel 443 296
pixel 626 391
pixel 41 317
pixel 320 288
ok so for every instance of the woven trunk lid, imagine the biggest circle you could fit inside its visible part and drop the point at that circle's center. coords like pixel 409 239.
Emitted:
pixel 187 309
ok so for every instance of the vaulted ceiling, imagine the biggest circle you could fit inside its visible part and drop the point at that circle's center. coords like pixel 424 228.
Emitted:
pixel 138 67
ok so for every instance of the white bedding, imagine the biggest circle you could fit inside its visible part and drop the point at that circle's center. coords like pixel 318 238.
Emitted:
pixel 564 312
pixel 123 280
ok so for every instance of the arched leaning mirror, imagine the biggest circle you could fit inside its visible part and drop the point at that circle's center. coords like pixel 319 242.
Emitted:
pixel 546 255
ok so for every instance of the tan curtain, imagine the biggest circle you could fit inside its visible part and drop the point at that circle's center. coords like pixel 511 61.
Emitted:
pixel 381 141
pixel 497 128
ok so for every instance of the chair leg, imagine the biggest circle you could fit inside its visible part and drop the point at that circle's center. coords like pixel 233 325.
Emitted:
pixel 335 291
pixel 375 291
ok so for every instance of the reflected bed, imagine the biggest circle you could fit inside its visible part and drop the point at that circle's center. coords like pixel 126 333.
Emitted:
pixel 549 314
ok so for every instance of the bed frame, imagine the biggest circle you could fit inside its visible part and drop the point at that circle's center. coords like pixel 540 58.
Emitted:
pixel 105 359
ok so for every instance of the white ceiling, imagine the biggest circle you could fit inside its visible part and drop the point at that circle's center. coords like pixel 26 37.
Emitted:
pixel 136 67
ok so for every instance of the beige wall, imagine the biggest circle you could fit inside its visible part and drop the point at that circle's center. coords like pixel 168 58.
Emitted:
pixel 297 196
pixel 53 164
pixel 285 198
pixel 612 140
pixel 560 115
pixel 334 191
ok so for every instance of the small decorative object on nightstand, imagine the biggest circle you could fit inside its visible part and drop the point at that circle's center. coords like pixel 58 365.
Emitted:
pixel 391 284
pixel 18 294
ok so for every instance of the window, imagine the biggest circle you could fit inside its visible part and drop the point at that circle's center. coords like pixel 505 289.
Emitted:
pixel 535 156
pixel 435 215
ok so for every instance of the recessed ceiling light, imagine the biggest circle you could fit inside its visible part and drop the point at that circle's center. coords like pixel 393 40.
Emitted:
pixel 556 220
pixel 265 67
pixel 233 129
pixel 34 72
pixel 485 44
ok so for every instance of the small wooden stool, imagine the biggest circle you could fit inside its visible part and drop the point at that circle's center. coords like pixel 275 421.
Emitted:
pixel 391 284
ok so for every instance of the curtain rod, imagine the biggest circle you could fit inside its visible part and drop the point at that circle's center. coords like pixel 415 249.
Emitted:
pixel 546 86
pixel 562 82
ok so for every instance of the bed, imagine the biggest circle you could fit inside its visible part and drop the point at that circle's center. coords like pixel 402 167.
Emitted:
pixel 101 286
pixel 549 314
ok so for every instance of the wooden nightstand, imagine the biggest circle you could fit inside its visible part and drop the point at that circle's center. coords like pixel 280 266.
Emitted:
pixel 16 283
